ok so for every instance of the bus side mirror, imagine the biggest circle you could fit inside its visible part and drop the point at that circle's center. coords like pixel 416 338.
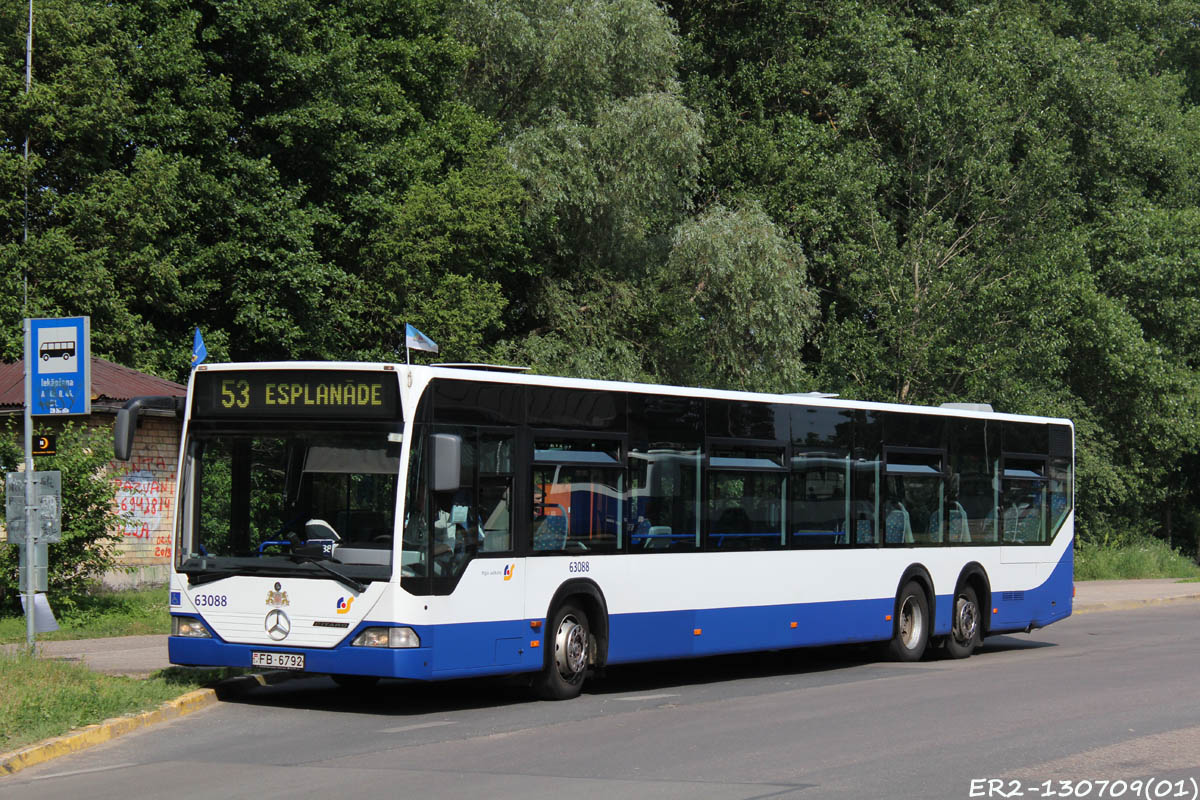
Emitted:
pixel 123 431
pixel 127 420
pixel 447 462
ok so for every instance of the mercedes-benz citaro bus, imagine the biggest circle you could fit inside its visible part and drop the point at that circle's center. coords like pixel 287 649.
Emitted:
pixel 434 522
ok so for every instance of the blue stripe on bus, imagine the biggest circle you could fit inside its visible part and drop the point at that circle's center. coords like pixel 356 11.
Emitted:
pixel 1037 607
pixel 673 634
pixel 496 648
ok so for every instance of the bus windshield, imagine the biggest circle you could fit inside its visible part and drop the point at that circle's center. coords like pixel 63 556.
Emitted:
pixel 260 503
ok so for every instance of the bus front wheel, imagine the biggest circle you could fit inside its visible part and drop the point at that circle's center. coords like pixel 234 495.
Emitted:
pixel 964 636
pixel 912 624
pixel 567 642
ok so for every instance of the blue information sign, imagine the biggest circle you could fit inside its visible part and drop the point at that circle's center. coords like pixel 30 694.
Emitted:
pixel 61 365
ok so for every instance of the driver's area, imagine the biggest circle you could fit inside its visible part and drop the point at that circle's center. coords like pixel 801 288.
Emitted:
pixel 274 497
pixel 350 493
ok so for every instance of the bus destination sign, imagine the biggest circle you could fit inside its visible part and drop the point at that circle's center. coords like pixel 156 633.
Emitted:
pixel 340 394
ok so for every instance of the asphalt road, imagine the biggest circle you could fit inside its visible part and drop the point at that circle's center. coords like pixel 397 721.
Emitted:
pixel 1100 697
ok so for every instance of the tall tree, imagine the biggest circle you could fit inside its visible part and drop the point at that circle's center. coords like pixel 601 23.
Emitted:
pixel 594 124
pixel 252 169
pixel 965 181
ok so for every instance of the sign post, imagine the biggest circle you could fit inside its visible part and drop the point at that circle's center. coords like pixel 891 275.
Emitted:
pixel 58 364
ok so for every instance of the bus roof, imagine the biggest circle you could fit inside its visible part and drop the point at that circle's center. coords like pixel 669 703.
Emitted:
pixel 490 373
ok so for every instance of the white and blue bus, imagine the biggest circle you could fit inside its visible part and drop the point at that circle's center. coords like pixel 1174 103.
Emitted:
pixel 434 522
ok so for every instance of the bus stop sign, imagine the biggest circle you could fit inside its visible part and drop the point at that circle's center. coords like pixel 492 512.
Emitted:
pixel 61 366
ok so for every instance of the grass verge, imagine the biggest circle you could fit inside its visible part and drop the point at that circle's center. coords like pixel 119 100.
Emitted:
pixel 44 698
pixel 129 613
pixel 1139 558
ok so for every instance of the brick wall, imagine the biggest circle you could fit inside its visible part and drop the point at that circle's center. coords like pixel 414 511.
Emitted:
pixel 145 492
pixel 145 487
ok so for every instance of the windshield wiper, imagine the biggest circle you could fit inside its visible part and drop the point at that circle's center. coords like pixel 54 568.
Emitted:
pixel 198 578
pixel 323 563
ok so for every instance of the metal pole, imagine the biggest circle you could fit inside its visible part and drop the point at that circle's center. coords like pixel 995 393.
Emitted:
pixel 29 51
pixel 28 84
pixel 31 515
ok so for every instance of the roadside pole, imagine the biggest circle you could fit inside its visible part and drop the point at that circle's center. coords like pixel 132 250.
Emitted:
pixel 57 382
pixel 31 507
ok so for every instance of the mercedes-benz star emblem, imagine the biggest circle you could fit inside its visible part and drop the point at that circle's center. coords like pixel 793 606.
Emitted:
pixel 278 625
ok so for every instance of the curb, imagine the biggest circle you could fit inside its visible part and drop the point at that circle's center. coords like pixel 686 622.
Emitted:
pixel 92 735
pixel 1129 605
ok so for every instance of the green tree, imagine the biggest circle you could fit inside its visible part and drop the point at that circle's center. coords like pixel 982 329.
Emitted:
pixel 593 121
pixel 734 304
pixel 253 170
pixel 88 548
pixel 976 188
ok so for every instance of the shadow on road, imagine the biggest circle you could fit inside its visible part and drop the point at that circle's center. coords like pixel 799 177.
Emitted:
pixel 819 665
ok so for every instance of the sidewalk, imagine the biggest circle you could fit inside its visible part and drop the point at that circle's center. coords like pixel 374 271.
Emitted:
pixel 1091 596
pixel 135 656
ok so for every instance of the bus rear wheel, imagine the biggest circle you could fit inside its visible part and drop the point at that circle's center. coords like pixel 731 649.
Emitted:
pixel 566 660
pixel 964 638
pixel 912 624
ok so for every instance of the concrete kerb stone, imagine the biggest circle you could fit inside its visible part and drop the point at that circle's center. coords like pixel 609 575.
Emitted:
pixel 1129 605
pixel 92 735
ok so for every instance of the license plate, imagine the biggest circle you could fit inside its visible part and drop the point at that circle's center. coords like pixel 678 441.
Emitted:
pixel 277 660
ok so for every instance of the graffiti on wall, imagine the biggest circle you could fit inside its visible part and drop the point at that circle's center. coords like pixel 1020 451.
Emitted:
pixel 144 490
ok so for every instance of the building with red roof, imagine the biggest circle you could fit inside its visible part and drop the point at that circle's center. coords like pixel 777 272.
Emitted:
pixel 146 483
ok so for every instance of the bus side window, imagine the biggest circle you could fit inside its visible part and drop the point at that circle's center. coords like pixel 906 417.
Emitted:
pixel 746 498
pixel 865 508
pixel 664 499
pixel 494 510
pixel 819 501
pixel 578 495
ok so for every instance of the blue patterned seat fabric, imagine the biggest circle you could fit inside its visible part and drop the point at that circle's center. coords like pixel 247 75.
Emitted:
pixel 551 534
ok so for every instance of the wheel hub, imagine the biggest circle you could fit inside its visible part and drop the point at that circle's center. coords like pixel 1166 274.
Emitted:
pixel 966 620
pixel 570 647
pixel 911 623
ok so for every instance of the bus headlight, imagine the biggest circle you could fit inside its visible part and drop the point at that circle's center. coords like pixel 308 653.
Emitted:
pixel 189 626
pixel 387 637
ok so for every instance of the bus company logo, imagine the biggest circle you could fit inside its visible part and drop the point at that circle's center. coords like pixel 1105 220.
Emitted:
pixel 277 625
pixel 343 605
pixel 509 569
pixel 277 598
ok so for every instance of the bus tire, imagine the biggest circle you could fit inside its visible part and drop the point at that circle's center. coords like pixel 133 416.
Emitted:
pixel 356 683
pixel 566 661
pixel 964 638
pixel 912 623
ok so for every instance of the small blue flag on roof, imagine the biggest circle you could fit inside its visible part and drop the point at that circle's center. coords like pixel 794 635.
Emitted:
pixel 199 351
pixel 415 340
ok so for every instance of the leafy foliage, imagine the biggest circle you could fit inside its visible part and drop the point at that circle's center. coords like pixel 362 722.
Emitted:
pixel 735 305
pixel 966 182
pixel 87 549
pixel 915 202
